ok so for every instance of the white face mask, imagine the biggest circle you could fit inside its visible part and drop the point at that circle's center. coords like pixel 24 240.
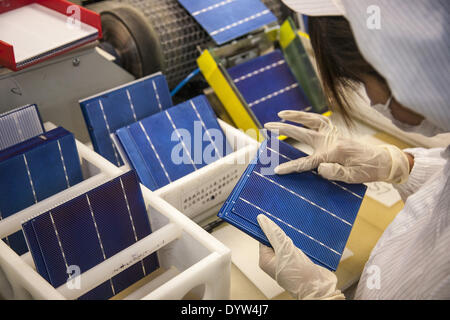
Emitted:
pixel 425 128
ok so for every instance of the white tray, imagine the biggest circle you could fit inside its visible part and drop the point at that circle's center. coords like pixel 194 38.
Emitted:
pixel 193 263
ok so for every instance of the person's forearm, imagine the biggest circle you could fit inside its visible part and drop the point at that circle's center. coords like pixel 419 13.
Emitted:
pixel 410 160
pixel 423 163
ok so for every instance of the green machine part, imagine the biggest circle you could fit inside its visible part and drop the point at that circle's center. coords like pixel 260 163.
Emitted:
pixel 301 66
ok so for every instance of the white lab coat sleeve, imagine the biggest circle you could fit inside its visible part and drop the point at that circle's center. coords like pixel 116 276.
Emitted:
pixel 426 163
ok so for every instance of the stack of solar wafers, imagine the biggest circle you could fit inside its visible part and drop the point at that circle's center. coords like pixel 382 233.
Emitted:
pixel 136 124
pixel 34 164
pixel 315 213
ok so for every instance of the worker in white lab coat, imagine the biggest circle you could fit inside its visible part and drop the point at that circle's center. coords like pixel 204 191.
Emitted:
pixel 398 50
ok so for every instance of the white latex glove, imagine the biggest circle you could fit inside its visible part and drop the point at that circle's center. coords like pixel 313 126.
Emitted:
pixel 338 158
pixel 292 269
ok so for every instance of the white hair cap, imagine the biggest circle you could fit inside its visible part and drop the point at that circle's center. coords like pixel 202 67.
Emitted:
pixel 407 42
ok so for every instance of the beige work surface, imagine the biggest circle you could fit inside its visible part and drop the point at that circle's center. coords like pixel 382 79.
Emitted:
pixel 372 220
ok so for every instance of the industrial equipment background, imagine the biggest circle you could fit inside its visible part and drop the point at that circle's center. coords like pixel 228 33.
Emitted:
pixel 147 36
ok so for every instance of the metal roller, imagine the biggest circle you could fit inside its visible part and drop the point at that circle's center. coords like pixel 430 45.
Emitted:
pixel 147 36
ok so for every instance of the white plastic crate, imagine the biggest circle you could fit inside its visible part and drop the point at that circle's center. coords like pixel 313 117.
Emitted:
pixel 193 263
pixel 200 194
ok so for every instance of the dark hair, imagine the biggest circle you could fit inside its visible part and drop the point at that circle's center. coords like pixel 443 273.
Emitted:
pixel 340 64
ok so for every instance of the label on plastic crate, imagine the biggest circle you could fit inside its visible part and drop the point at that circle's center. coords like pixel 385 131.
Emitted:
pixel 218 186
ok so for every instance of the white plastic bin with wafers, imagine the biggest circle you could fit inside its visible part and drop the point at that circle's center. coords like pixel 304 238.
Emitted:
pixel 200 194
pixel 193 264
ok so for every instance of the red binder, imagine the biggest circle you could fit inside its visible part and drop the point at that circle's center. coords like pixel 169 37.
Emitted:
pixel 9 53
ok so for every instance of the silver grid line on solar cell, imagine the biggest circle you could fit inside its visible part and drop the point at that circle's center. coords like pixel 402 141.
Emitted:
pixel 157 96
pixel 19 129
pixel 131 105
pixel 154 150
pixel 29 177
pixel 237 23
pixel 254 73
pixel 99 239
pixel 96 227
pixel 302 197
pixel 131 219
pixel 63 163
pixel 181 140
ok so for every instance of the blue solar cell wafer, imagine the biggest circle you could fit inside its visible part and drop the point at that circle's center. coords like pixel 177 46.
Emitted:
pixel 19 125
pixel 268 87
pixel 34 170
pixel 89 229
pixel 317 214
pixel 106 112
pixel 225 20
pixel 171 144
